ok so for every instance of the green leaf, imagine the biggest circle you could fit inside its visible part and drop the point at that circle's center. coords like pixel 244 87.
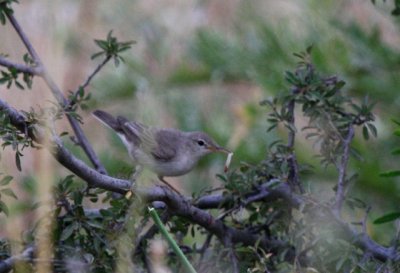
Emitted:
pixel 396 122
pixel 365 132
pixel 291 78
pixel 372 129
pixel 9 192
pixel 67 232
pixel 18 161
pixel 4 208
pixel 97 55
pixel 106 213
pixel 102 44
pixel 6 180
pixel 387 218
pixel 390 173
pixel 396 132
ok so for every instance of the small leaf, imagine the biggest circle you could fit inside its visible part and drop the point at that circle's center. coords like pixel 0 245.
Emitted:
pixel 390 173
pixel 9 192
pixel 387 218
pixel 18 161
pixel 4 208
pixel 372 129
pixel 6 180
pixel 97 55
pixel 67 232
pixel 365 132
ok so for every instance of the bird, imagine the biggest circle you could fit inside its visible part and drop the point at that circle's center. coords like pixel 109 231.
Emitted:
pixel 167 152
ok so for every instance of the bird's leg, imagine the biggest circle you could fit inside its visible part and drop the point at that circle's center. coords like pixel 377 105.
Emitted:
pixel 168 184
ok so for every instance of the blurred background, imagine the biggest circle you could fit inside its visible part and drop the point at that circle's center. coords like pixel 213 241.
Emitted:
pixel 206 65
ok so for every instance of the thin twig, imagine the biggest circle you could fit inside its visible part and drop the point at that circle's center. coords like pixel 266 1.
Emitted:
pixel 88 80
pixel 83 141
pixel 98 68
pixel 340 191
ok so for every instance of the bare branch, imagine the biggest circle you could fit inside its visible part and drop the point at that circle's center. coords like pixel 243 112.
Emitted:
pixel 340 191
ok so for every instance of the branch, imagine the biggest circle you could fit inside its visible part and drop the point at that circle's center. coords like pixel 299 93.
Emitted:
pixel 340 191
pixel 83 141
pixel 20 67
pixel 88 80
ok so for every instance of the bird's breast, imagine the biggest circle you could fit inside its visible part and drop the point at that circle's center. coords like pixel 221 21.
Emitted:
pixel 177 166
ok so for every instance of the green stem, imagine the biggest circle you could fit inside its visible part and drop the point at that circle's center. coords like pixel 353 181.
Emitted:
pixel 171 241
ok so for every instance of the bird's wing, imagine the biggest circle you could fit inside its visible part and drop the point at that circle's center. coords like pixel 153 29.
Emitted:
pixel 167 145
pixel 132 130
pixel 160 143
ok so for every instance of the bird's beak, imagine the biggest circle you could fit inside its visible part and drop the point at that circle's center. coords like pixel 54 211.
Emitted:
pixel 219 149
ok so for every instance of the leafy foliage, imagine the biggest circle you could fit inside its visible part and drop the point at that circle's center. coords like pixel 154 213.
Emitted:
pixel 13 137
pixel 111 48
pixel 93 233
pixel 5 191
pixel 11 76
pixel 4 9
pixel 329 111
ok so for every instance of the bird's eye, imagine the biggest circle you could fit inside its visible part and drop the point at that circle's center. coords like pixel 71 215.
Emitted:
pixel 200 142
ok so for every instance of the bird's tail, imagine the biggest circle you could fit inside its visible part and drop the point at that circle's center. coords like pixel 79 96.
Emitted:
pixel 108 120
